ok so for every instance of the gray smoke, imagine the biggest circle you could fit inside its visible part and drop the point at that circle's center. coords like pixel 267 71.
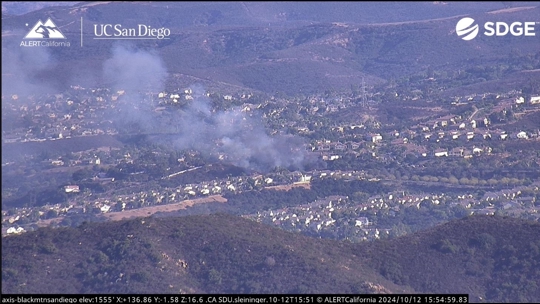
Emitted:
pixel 134 70
pixel 237 136
pixel 232 135
pixel 25 69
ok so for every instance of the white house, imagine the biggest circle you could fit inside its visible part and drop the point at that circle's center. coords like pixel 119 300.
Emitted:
pixel 439 153
pixel 14 219
pixel 334 157
pixel 71 188
pixel 306 178
pixel 105 208
pixel 535 99
pixel 13 230
pixel 376 138
pixel 362 221
pixel 522 135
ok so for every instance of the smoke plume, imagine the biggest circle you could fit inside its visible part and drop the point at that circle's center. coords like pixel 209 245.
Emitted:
pixel 232 135
pixel 24 70
pixel 134 70
pixel 237 136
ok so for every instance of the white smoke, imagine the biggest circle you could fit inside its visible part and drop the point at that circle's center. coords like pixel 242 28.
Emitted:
pixel 236 136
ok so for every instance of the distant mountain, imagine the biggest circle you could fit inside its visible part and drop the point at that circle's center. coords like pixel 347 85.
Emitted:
pixel 24 7
pixel 175 14
pixel 490 258
pixel 277 47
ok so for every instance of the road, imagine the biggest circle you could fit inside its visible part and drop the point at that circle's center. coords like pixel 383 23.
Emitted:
pixel 474 113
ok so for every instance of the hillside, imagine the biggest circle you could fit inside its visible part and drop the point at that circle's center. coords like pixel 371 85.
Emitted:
pixel 20 7
pixel 492 258
pixel 489 257
pixel 226 45
pixel 196 254
pixel 261 13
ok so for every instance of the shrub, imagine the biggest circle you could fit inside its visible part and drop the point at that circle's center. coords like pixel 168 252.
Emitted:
pixel 49 248
pixel 483 240
pixel 141 276
pixel 214 276
pixel 446 246
pixel 392 271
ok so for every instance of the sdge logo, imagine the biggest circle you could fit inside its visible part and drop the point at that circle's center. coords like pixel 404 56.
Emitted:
pixel 468 30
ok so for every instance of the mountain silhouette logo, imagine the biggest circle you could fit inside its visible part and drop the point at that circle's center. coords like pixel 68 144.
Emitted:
pixel 466 28
pixel 47 30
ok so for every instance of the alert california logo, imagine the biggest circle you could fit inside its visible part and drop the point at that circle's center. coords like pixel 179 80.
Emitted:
pixel 45 35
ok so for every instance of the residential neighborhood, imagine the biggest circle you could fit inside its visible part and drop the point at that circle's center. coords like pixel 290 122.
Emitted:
pixel 77 115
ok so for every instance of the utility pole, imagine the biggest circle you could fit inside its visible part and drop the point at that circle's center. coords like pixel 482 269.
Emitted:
pixel 364 98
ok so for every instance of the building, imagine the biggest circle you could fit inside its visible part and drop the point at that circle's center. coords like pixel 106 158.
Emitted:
pixel 13 230
pixel 57 162
pixel 522 135
pixel 440 152
pixel 340 147
pixel 362 221
pixel 375 138
pixel 458 152
pixel 354 145
pixel 71 188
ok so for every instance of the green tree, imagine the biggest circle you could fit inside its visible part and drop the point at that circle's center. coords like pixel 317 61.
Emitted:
pixel 82 174
pixel 214 276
